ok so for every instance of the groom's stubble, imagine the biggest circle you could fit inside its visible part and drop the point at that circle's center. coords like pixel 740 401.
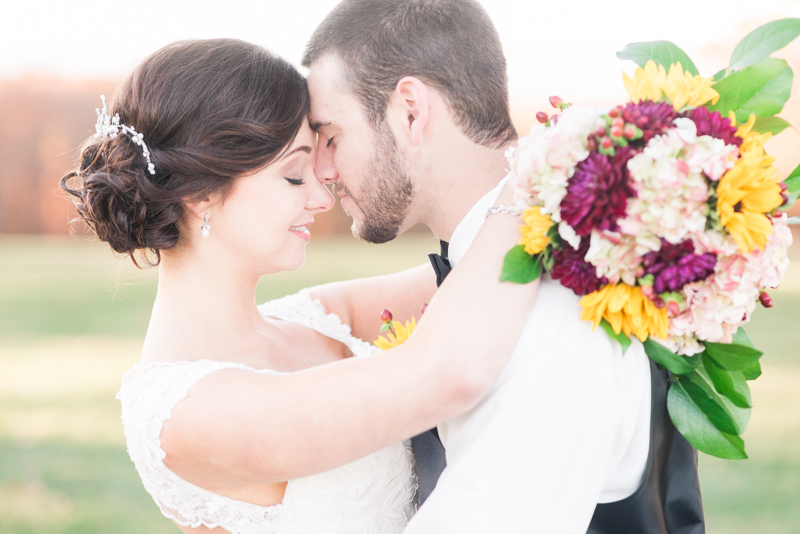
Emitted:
pixel 386 191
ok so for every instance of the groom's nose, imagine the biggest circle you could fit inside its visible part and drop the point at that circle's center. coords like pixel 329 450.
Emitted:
pixel 323 165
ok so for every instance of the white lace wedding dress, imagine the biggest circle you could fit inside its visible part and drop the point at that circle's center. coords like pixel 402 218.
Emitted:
pixel 373 495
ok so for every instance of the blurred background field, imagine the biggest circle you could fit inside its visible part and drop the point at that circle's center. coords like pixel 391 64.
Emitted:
pixel 72 320
pixel 72 317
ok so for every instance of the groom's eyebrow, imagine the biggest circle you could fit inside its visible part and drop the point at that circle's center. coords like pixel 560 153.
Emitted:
pixel 304 148
pixel 315 126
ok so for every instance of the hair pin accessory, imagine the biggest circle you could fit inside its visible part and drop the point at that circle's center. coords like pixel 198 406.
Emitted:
pixel 111 127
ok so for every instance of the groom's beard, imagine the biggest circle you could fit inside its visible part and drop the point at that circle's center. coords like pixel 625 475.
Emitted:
pixel 386 192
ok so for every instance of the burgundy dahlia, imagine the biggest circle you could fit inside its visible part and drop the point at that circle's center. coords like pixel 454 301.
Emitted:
pixel 574 271
pixel 674 266
pixel 715 125
pixel 598 192
pixel 653 118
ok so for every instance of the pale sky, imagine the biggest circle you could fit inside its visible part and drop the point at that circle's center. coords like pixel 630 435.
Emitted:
pixel 553 47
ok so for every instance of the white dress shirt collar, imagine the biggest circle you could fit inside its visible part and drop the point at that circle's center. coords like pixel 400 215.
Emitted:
pixel 467 230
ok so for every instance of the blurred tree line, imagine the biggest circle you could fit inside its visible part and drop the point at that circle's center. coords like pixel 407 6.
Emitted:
pixel 43 123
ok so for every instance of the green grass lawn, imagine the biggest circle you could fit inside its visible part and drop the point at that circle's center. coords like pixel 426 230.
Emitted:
pixel 72 320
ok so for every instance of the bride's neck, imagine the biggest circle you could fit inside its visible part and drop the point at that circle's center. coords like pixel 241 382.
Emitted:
pixel 204 308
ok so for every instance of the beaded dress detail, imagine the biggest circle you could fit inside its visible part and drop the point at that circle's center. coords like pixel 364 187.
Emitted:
pixel 373 495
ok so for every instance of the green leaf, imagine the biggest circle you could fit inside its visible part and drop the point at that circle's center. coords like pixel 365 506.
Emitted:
pixel 520 267
pixel 740 337
pixel 662 52
pixel 733 356
pixel 678 365
pixel 793 180
pixel 790 200
pixel 761 89
pixel 698 430
pixel 720 74
pixel 733 387
pixel 773 125
pixel 624 340
pixel 704 396
pixel 741 416
pixel 763 41
pixel 751 373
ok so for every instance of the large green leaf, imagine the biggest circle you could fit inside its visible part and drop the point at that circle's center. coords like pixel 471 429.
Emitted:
pixel 763 41
pixel 733 356
pixel 698 429
pixel 773 125
pixel 710 403
pixel 733 387
pixel 741 416
pixel 761 89
pixel 624 340
pixel 678 365
pixel 662 52
pixel 520 267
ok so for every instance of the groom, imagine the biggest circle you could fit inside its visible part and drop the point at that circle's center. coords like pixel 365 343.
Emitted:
pixel 410 101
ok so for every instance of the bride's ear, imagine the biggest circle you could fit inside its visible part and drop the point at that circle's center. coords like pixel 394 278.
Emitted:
pixel 410 101
pixel 198 208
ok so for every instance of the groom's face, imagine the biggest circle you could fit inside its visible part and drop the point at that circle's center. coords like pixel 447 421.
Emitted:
pixel 363 162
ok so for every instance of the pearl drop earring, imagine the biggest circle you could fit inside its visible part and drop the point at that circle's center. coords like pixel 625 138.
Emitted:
pixel 206 228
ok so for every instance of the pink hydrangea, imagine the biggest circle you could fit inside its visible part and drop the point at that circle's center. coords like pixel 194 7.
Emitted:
pixel 544 160
pixel 671 195
pixel 715 308
pixel 617 257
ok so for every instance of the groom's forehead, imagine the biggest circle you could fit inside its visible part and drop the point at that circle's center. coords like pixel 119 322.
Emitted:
pixel 331 101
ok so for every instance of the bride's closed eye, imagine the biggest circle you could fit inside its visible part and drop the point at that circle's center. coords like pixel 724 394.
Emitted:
pixel 295 181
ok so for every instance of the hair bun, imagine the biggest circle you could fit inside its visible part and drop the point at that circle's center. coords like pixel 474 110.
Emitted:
pixel 114 195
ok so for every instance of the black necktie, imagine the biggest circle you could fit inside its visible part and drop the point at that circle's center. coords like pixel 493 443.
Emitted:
pixel 428 450
pixel 440 263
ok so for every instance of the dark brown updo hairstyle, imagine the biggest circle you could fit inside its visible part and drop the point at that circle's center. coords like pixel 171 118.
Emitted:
pixel 209 111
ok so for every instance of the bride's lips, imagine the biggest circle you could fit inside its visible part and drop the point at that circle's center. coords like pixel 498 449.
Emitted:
pixel 301 231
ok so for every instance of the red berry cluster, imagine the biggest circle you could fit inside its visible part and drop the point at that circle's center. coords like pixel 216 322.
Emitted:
pixel 557 103
pixel 615 133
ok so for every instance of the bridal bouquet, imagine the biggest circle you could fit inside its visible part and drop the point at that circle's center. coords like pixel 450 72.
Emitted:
pixel 665 215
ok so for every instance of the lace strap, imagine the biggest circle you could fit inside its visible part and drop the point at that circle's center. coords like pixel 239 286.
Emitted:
pixel 301 308
pixel 148 396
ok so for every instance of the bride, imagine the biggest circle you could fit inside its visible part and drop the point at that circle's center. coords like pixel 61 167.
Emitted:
pixel 274 418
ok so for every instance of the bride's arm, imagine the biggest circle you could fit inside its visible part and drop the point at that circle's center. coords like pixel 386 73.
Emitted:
pixel 359 302
pixel 240 427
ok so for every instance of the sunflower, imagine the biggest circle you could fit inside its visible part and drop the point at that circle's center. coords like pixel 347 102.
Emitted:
pixel 679 86
pixel 534 233
pixel 391 341
pixel 748 191
pixel 627 310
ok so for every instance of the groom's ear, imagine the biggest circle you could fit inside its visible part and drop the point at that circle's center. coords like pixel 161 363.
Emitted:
pixel 411 100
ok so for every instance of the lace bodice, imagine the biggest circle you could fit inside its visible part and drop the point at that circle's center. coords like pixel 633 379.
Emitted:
pixel 373 495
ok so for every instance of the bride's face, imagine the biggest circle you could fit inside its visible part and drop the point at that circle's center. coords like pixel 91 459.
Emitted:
pixel 265 221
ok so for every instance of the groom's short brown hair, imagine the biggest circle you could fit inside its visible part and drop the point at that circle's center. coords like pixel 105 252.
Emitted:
pixel 451 45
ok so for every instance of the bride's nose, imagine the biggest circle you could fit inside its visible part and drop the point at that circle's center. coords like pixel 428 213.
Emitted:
pixel 323 164
pixel 319 198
